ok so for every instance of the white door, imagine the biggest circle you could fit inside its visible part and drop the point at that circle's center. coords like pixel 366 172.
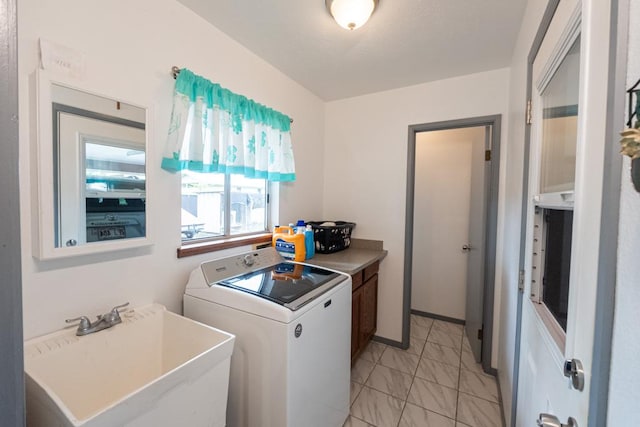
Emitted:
pixel 449 214
pixel 569 87
pixel 441 223
pixel 480 176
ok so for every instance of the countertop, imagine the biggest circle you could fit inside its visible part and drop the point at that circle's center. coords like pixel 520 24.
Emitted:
pixel 349 260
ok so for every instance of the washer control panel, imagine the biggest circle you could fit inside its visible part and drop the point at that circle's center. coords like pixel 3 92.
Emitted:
pixel 225 268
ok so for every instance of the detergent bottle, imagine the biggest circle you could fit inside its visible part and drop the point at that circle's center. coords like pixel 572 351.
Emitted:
pixel 289 244
pixel 309 242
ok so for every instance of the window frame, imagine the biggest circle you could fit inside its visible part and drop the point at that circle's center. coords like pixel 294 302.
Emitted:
pixel 556 200
pixel 538 268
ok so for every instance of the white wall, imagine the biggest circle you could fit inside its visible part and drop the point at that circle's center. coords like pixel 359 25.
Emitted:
pixel 366 165
pixel 624 393
pixel 509 241
pixel 129 49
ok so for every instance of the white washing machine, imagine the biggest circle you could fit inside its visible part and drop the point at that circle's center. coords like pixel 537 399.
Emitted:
pixel 292 321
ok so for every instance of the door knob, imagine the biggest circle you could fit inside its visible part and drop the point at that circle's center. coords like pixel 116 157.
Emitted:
pixel 548 420
pixel 466 247
pixel 573 369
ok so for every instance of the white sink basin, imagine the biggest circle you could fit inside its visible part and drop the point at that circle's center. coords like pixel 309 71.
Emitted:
pixel 156 368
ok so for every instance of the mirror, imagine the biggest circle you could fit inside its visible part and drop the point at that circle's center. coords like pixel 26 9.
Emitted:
pixel 92 167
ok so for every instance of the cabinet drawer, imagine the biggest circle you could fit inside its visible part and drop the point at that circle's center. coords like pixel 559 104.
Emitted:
pixel 356 280
pixel 371 270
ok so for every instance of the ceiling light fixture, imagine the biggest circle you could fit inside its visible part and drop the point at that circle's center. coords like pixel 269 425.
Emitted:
pixel 351 14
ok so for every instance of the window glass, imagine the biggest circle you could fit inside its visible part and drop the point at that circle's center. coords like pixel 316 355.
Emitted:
pixel 248 205
pixel 205 198
pixel 558 226
pixel 560 125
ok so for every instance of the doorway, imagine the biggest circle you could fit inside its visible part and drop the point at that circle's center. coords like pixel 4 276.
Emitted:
pixel 544 357
pixel 451 220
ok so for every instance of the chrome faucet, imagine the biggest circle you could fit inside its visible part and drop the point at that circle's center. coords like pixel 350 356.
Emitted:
pixel 104 321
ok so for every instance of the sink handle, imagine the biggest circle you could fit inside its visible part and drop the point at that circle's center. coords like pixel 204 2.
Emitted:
pixel 115 314
pixel 85 323
pixel 117 307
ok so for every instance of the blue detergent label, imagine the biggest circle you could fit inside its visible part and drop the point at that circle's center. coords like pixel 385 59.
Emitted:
pixel 286 249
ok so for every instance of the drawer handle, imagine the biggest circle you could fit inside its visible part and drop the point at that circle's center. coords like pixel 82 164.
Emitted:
pixel 327 304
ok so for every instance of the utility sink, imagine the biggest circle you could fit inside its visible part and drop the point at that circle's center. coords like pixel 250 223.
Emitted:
pixel 156 368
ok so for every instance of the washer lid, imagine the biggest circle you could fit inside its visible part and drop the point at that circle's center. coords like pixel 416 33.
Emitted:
pixel 289 284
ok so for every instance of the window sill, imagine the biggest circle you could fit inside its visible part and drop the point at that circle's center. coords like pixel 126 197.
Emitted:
pixel 557 334
pixel 192 249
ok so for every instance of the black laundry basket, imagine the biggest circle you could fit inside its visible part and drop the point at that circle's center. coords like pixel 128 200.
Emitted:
pixel 331 238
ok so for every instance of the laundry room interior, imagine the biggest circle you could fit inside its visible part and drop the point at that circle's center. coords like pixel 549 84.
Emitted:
pixel 316 225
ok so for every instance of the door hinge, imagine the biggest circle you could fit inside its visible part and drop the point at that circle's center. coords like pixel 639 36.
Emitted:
pixel 480 334
pixel 487 155
pixel 528 117
pixel 521 280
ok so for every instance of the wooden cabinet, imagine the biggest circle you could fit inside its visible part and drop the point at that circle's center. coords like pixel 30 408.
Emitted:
pixel 368 310
pixel 364 307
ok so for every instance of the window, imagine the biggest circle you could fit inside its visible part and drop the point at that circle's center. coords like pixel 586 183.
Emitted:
pixel 560 126
pixel 552 260
pixel 557 134
pixel 222 205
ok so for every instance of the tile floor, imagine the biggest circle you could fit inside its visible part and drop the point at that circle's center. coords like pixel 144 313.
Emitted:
pixel 434 383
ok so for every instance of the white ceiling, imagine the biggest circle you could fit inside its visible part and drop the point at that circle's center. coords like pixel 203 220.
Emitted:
pixel 405 42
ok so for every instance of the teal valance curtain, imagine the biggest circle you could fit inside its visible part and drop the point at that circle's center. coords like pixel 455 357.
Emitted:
pixel 214 130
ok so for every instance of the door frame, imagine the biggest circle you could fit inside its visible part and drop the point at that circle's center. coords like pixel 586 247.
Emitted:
pixel 535 47
pixel 495 121
pixel 607 258
pixel 12 405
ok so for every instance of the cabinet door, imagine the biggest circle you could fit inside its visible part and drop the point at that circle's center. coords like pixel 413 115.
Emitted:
pixel 368 309
pixel 356 302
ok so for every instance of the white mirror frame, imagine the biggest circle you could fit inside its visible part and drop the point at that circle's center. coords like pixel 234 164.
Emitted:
pixel 42 173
